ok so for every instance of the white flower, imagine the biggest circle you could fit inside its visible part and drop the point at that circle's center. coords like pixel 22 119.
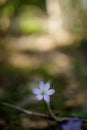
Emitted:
pixel 43 92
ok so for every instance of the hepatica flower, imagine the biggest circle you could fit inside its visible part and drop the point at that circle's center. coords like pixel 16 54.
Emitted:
pixel 72 125
pixel 43 92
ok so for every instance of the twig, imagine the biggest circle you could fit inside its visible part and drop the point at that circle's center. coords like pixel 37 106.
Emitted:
pixel 52 117
pixel 60 119
pixel 24 110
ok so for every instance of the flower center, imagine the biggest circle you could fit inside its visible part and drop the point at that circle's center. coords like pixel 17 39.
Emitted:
pixel 43 92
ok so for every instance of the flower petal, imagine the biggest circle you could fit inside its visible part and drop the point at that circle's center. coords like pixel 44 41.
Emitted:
pixel 47 86
pixel 41 85
pixel 39 97
pixel 65 127
pixel 50 92
pixel 71 122
pixel 78 123
pixel 36 91
pixel 47 98
pixel 77 128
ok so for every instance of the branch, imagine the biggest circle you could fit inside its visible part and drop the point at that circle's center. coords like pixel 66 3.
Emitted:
pixel 60 119
pixel 25 111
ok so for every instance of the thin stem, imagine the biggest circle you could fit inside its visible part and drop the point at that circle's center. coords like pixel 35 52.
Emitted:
pixel 52 117
pixel 59 118
pixel 24 110
pixel 51 112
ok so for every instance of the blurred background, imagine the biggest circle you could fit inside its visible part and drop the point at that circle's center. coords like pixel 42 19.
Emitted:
pixel 42 40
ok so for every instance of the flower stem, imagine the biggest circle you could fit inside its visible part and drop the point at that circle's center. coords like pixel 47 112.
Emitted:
pixel 56 118
pixel 51 112
pixel 53 116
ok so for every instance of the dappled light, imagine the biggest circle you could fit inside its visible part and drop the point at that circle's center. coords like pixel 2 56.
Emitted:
pixel 4 23
pixel 2 2
pixel 30 19
pixel 43 64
